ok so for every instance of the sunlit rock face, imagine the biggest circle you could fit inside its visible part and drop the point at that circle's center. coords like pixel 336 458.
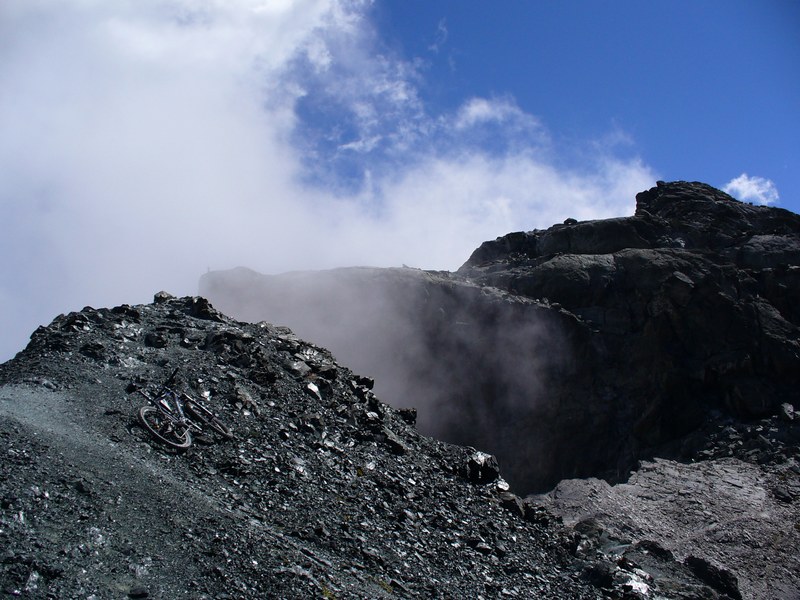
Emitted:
pixel 572 351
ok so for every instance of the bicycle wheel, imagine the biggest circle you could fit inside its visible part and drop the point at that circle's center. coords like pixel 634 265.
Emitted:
pixel 201 413
pixel 161 427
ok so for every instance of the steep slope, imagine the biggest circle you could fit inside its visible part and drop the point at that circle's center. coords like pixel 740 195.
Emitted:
pixel 324 492
pixel 574 351
pixel 477 363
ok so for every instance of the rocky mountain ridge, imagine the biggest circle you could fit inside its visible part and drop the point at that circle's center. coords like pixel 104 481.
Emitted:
pixel 324 491
pixel 574 351
pixel 654 357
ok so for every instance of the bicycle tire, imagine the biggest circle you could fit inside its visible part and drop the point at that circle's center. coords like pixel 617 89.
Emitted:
pixel 158 426
pixel 201 413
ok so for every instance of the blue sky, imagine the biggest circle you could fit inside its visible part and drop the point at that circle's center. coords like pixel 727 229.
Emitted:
pixel 146 141
pixel 699 90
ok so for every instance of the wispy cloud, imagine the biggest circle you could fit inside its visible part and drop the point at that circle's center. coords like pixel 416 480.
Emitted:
pixel 479 111
pixel 440 37
pixel 146 142
pixel 752 189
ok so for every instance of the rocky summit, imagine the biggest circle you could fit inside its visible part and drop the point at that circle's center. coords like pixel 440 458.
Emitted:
pixel 612 404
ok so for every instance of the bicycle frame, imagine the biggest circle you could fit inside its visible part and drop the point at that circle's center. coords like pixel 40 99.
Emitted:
pixel 180 416
pixel 170 402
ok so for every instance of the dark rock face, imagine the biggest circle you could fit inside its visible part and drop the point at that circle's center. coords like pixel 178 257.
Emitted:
pixel 576 350
pixel 693 303
pixel 476 362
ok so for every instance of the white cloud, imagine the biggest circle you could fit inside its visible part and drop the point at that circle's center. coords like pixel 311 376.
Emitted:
pixel 477 111
pixel 437 213
pixel 752 189
pixel 144 142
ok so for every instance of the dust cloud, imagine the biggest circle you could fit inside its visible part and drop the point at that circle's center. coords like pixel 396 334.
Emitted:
pixel 477 367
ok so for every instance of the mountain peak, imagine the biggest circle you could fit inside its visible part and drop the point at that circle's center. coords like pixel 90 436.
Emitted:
pixel 689 215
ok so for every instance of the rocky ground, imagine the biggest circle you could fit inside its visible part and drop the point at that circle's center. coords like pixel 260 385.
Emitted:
pixel 730 512
pixel 667 348
pixel 324 491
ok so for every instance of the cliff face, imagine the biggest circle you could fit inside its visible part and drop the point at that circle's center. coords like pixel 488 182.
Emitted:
pixel 693 303
pixel 577 350
pixel 475 362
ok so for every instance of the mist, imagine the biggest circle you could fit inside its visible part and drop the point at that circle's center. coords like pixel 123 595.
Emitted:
pixel 145 143
pixel 481 368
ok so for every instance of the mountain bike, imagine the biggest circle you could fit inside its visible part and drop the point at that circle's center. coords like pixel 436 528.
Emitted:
pixel 172 417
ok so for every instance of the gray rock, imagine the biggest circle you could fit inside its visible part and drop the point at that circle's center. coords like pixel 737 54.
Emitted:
pixel 786 412
pixel 720 579
pixel 482 468
pixel 138 592
pixel 304 501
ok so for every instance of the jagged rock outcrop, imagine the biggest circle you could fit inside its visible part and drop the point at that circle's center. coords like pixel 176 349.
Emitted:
pixel 695 296
pixel 573 351
pixel 729 512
